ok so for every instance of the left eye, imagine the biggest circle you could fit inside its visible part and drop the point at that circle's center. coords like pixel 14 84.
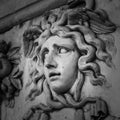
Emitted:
pixel 63 50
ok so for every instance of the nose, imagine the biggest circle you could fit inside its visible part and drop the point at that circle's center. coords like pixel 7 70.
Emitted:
pixel 50 61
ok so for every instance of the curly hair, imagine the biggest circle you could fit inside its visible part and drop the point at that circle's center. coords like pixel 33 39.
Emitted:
pixel 82 26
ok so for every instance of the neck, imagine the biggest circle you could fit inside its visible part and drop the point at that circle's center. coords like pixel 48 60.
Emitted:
pixel 77 87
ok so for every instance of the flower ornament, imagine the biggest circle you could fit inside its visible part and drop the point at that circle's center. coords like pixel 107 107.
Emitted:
pixel 10 74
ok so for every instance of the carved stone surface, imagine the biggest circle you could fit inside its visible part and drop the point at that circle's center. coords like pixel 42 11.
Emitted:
pixel 58 72
pixel 67 54
pixel 10 75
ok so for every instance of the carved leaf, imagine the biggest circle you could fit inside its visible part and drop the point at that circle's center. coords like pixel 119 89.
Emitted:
pixel 13 51
pixel 17 83
pixel 15 61
pixel 16 73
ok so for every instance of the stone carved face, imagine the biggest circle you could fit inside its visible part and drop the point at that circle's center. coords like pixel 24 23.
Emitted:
pixel 60 61
pixel 59 64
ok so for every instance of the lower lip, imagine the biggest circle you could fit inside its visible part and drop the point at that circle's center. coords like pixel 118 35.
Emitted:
pixel 53 78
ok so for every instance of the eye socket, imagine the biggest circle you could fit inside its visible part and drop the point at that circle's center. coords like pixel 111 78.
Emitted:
pixel 44 53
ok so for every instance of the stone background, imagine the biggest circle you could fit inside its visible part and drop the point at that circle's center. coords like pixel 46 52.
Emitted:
pixel 9 6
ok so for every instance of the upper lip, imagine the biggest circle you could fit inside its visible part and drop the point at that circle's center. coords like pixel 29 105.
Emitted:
pixel 52 74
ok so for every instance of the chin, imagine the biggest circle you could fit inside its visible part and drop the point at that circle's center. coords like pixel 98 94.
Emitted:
pixel 59 89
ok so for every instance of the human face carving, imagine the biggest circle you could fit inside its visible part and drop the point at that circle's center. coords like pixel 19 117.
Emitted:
pixel 60 61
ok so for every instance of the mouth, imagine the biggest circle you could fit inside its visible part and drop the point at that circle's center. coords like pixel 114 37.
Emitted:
pixel 54 75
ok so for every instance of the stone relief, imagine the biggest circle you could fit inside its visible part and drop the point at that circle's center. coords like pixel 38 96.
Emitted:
pixel 65 50
pixel 10 74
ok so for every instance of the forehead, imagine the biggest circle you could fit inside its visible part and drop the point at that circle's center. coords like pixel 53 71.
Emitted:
pixel 58 41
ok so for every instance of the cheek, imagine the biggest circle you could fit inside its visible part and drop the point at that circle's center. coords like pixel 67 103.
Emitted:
pixel 68 69
pixel 68 65
pixel 63 66
pixel 71 69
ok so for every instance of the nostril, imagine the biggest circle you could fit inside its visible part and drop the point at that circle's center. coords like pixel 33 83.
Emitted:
pixel 49 66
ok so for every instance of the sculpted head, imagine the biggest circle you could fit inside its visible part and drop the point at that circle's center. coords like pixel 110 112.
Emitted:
pixel 68 48
pixel 60 62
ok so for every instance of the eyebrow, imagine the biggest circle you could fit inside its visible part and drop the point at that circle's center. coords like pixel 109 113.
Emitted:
pixel 64 45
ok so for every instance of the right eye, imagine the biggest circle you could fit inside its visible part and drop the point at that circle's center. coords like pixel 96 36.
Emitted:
pixel 63 50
